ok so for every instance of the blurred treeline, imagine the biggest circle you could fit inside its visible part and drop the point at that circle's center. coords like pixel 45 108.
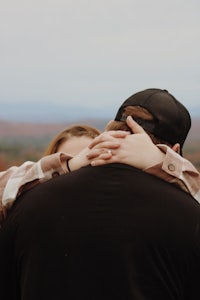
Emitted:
pixel 16 151
pixel 192 152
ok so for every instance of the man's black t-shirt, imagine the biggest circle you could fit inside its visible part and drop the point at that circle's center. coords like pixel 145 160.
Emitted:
pixel 102 233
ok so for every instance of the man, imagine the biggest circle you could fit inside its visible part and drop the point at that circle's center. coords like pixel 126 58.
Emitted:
pixel 110 232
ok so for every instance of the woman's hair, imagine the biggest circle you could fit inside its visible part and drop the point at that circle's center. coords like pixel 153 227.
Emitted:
pixel 140 113
pixel 66 134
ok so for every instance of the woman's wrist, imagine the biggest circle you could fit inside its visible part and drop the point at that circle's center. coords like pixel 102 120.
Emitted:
pixel 73 164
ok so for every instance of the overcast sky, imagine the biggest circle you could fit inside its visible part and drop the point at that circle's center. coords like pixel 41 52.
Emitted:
pixel 96 53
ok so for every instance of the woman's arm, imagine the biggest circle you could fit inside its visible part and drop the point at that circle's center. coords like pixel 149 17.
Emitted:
pixel 176 167
pixel 15 180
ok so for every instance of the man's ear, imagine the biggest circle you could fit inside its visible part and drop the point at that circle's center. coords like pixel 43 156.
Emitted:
pixel 176 148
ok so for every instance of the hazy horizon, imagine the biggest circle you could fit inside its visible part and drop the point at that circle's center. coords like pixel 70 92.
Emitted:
pixel 42 112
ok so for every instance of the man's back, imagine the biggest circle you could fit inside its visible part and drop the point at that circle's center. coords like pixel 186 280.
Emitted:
pixel 110 232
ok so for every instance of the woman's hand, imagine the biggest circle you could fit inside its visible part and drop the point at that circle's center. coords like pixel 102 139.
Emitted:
pixel 99 149
pixel 133 149
pixel 102 146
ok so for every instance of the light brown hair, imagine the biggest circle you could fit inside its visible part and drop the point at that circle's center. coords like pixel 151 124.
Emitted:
pixel 67 133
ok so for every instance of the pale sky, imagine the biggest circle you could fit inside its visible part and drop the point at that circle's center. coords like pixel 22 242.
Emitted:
pixel 96 53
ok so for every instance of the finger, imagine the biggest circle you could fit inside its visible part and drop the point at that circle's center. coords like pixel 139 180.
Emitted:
pixel 99 139
pixel 94 153
pixel 99 162
pixel 118 133
pixel 100 153
pixel 135 127
pixel 108 136
pixel 107 145
pixel 105 156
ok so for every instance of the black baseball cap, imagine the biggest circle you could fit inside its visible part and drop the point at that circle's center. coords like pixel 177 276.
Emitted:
pixel 172 119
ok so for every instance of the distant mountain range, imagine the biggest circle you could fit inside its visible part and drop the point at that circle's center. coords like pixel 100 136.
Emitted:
pixel 52 112
pixel 59 113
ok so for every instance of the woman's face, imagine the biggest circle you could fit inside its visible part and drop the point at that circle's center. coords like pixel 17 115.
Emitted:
pixel 74 145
